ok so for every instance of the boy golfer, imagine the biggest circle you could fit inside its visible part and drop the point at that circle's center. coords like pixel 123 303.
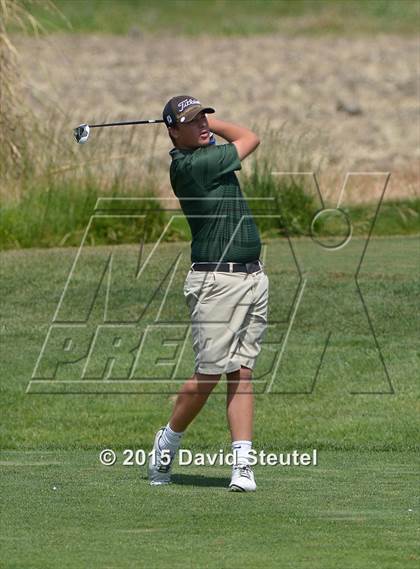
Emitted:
pixel 226 289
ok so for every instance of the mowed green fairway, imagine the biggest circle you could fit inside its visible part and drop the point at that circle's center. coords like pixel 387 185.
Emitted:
pixel 353 510
pixel 358 508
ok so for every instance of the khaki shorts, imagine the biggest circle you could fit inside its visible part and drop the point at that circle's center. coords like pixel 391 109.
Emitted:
pixel 229 318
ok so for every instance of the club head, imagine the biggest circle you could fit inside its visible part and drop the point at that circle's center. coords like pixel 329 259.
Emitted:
pixel 81 133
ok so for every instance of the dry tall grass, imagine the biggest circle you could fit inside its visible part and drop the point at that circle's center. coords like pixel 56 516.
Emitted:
pixel 19 129
pixel 36 149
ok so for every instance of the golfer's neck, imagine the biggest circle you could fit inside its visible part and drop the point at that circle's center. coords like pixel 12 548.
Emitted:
pixel 187 147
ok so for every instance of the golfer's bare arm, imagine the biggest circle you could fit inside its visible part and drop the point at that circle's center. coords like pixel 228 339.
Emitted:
pixel 244 139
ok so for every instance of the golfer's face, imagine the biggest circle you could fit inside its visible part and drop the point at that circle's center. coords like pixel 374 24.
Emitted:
pixel 195 133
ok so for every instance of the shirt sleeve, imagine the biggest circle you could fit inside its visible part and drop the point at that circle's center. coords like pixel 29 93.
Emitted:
pixel 214 161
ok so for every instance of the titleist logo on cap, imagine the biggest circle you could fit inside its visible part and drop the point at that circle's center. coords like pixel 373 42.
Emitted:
pixel 186 103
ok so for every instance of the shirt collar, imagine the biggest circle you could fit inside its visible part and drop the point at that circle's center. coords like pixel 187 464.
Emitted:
pixel 181 152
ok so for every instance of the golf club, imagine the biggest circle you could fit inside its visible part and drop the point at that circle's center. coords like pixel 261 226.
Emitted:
pixel 81 132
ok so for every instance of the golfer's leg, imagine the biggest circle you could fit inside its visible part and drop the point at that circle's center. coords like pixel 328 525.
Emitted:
pixel 191 398
pixel 240 404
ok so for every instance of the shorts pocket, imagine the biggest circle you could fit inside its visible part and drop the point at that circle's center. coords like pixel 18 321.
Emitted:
pixel 198 284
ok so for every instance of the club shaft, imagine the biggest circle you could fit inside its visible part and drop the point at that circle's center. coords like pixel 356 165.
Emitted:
pixel 125 123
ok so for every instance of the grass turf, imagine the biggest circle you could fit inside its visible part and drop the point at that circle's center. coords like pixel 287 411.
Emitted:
pixel 353 404
pixel 63 509
pixel 353 510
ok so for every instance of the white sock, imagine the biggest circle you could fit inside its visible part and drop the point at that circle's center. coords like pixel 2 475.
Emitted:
pixel 242 449
pixel 170 439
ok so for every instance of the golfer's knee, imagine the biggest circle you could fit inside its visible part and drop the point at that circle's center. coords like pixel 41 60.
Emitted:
pixel 201 383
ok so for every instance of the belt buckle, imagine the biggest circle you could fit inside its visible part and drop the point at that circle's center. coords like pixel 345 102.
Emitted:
pixel 251 267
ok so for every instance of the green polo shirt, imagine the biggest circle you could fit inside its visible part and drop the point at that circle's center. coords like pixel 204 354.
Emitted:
pixel 221 222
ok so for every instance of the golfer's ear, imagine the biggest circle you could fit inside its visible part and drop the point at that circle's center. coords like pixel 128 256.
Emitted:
pixel 173 131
